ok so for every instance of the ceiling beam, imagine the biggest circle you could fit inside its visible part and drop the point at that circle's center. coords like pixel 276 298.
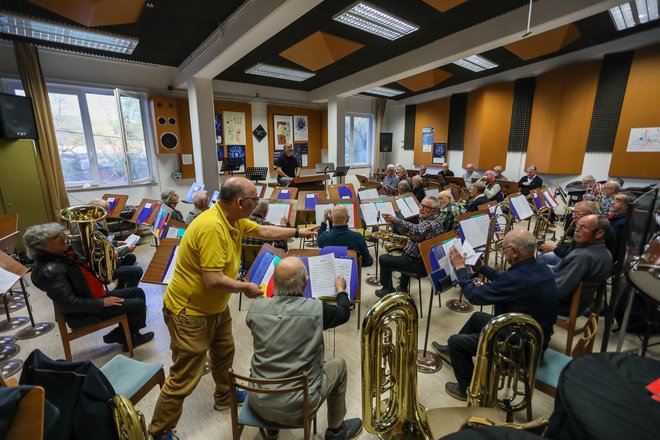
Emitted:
pixel 496 32
pixel 252 24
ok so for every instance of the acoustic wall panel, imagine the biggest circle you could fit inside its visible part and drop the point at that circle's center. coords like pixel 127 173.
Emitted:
pixel 433 114
pixel 457 114
pixel 409 128
pixel 521 114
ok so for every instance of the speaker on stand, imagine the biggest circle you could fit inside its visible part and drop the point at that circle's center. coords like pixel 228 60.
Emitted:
pixel 385 146
pixel 166 120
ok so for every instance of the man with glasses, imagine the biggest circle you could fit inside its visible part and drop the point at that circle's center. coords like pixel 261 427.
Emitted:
pixel 195 303
pixel 411 260
pixel 526 287
pixel 590 263
pixel 449 211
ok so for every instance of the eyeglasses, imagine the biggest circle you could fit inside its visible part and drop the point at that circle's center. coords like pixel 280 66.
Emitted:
pixel 581 226
pixel 254 199
pixel 421 205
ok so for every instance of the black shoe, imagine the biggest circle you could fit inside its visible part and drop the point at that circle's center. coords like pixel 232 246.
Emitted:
pixel 402 289
pixel 139 339
pixel 454 390
pixel 269 434
pixel 351 428
pixel 383 292
pixel 443 351
pixel 115 336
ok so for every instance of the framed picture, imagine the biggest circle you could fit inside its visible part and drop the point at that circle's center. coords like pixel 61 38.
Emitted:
pixel 300 128
pixel 218 129
pixel 237 154
pixel 283 134
pixel 234 127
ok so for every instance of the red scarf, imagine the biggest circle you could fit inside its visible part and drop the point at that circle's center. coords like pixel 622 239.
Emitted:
pixel 96 287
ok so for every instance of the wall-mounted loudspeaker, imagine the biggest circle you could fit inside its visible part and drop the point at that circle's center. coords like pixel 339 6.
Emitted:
pixel 16 118
pixel 386 142
pixel 166 120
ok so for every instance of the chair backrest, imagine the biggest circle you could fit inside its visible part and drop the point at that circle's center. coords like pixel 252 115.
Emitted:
pixel 28 421
pixel 249 253
pixel 586 343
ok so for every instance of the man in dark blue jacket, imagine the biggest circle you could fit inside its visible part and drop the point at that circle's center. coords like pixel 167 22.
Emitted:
pixel 526 287
pixel 340 235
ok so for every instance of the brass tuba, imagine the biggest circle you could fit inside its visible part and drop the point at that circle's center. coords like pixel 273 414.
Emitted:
pixel 98 250
pixel 389 371
pixel 541 224
pixel 500 225
pixel 129 422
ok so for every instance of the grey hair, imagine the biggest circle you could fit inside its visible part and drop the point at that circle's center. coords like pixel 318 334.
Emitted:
pixel 261 207
pixel 616 186
pixel 36 237
pixel 589 206
pixel 589 178
pixel 199 197
pixel 603 224
pixel 417 178
pixel 532 167
pixel 291 286
pixel 525 243
pixel 435 202
pixel 231 190
pixel 479 186
pixel 166 196
pixel 403 184
pixel 391 166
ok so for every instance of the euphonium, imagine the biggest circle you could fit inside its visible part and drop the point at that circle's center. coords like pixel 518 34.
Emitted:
pixel 389 370
pixel 509 350
pixel 98 250
pixel 129 422
pixel 500 225
pixel 541 225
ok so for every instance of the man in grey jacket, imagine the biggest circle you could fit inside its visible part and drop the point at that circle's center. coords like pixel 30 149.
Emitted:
pixel 590 263
pixel 287 332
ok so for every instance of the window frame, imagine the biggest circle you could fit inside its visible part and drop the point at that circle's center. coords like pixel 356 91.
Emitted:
pixel 370 144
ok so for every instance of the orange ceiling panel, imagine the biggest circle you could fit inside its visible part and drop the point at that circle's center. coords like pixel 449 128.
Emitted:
pixel 91 13
pixel 444 5
pixel 424 80
pixel 320 50
pixel 545 43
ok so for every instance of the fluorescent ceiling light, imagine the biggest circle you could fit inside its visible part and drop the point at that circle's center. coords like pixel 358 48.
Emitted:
pixel 279 72
pixel 475 63
pixel 628 15
pixel 384 91
pixel 56 33
pixel 367 17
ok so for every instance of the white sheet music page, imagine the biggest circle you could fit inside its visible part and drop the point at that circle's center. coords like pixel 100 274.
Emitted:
pixel 475 229
pixel 414 207
pixel 448 267
pixel 169 273
pixel 7 280
pixel 268 192
pixel 385 207
pixel 344 268
pixel 319 210
pixel 172 232
pixel 276 211
pixel 403 208
pixel 322 275
pixel 369 214
pixel 366 194
pixel 471 257
pixel 521 207
pixel 432 192
pixel 132 240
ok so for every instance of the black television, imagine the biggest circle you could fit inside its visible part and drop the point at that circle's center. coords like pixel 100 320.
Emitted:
pixel 17 117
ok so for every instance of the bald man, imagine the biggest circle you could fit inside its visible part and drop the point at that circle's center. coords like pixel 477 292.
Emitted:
pixel 195 302
pixel 470 174
pixel 526 287
pixel 340 235
pixel 287 332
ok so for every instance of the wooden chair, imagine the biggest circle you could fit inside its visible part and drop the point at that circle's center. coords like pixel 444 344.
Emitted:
pixel 248 418
pixel 249 253
pixel 68 336
pixel 28 421
pixel 131 378
pixel 570 325
pixel 553 362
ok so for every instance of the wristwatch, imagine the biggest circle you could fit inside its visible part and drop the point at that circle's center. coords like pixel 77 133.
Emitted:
pixel 295 233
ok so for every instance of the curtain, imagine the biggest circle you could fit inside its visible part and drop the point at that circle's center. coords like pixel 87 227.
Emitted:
pixel 381 103
pixel 27 58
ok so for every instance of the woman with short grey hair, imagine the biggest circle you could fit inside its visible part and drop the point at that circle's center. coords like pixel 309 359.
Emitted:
pixel 37 237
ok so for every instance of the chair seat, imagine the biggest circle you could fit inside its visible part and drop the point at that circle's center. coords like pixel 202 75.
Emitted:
pixel 552 363
pixel 248 417
pixel 127 375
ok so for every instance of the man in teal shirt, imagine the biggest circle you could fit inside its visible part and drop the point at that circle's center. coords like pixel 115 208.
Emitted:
pixel 340 235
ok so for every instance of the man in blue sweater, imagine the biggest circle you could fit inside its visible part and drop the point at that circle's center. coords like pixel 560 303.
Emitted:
pixel 340 235
pixel 526 287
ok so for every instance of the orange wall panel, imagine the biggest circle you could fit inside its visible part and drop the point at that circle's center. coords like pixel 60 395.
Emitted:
pixel 185 137
pixel 314 135
pixel 640 109
pixel 430 114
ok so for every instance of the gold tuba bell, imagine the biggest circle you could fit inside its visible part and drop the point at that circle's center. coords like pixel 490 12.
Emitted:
pixel 389 371
pixel 98 250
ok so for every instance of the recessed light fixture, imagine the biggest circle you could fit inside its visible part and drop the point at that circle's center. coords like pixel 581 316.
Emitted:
pixel 630 14
pixel 384 91
pixel 367 17
pixel 279 72
pixel 62 34
pixel 475 63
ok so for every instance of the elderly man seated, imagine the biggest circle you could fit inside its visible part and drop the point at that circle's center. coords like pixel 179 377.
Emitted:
pixel 526 287
pixel 200 201
pixel 287 332
pixel 594 189
pixel 590 263
pixel 530 182
pixel 610 190
pixel 73 286
pixel 170 198
pixel 448 212
pixel 411 259
pixel 340 235
pixel 477 196
pixel 470 174
pixel 493 188
pixel 498 173
pixel 258 216
pixel 418 188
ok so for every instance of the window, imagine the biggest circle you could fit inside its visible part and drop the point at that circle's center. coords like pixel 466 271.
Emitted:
pixel 359 139
pixel 101 135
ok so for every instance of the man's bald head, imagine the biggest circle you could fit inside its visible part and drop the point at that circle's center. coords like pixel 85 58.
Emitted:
pixel 340 215
pixel 518 245
pixel 290 277
pixel 236 187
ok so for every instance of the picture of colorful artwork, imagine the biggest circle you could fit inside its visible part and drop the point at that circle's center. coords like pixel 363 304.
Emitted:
pixel 218 129
pixel 300 128
pixel 439 152
pixel 283 134
pixel 644 140
pixel 427 139
pixel 236 153
pixel 301 152
pixel 234 127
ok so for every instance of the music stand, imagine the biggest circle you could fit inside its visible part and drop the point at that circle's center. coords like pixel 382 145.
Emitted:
pixel 231 165
pixel 341 172
pixel 256 173
pixel 325 167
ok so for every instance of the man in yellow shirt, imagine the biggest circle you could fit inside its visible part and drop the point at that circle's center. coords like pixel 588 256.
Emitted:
pixel 195 303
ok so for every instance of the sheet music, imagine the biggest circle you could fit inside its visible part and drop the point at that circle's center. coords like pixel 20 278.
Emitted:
pixel 370 214
pixel 319 209
pixel 344 268
pixel 132 240
pixel 322 275
pixel 432 192
pixel 501 221
pixel 172 232
pixel 268 192
pixel 259 188
pixel 406 212
pixel 384 207
pixel 8 279
pixel 471 257
pixel 367 194
pixel 475 229
pixel 521 207
pixel 414 208
pixel 276 211
pixel 169 273
pixel 446 264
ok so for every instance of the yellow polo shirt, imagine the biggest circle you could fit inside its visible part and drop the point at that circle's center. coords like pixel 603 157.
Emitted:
pixel 210 244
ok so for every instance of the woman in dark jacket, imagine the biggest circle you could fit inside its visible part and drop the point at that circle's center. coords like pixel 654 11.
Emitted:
pixel 72 285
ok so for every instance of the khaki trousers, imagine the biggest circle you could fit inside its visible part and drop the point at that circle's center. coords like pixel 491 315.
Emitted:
pixel 191 337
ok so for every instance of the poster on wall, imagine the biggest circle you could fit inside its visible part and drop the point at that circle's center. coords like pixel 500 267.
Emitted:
pixel 427 139
pixel 301 152
pixel 439 152
pixel 300 127
pixel 644 140
pixel 237 153
pixel 221 157
pixel 218 129
pixel 282 125
pixel 234 127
